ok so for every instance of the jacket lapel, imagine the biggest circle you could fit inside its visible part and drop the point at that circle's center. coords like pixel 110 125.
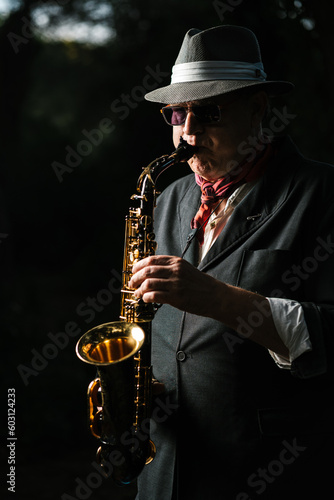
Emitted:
pixel 187 209
pixel 245 219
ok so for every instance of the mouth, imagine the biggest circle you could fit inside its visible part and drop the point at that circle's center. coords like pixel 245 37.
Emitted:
pixel 200 150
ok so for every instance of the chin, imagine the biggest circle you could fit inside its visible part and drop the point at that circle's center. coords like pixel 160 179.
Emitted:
pixel 203 168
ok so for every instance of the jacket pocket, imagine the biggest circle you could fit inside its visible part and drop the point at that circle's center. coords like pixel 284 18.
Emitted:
pixel 263 271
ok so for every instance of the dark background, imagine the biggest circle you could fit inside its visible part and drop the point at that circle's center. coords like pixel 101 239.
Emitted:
pixel 61 224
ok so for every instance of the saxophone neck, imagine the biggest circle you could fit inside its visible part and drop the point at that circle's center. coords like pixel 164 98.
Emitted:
pixel 150 174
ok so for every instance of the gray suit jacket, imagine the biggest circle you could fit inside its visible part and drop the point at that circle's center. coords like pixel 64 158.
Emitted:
pixel 228 409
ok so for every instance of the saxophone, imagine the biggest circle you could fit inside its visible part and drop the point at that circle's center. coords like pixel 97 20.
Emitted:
pixel 119 399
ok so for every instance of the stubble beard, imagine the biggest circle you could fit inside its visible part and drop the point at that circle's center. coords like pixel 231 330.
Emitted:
pixel 211 169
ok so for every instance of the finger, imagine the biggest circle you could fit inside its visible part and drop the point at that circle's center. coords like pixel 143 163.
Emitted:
pixel 152 285
pixel 152 260
pixel 140 265
pixel 157 388
pixel 149 272
pixel 156 297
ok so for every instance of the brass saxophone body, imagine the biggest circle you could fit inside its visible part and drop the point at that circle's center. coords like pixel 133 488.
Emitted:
pixel 119 399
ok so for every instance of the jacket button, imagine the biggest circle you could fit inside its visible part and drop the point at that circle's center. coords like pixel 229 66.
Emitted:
pixel 181 356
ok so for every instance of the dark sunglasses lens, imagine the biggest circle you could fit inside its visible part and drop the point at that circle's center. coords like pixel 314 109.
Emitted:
pixel 175 115
pixel 207 114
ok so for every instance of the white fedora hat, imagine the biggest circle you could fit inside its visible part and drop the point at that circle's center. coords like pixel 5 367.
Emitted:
pixel 217 61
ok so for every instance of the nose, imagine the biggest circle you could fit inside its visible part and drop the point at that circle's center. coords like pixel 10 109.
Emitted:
pixel 192 126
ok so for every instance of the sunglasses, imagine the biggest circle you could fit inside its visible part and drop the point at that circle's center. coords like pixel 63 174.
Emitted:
pixel 176 115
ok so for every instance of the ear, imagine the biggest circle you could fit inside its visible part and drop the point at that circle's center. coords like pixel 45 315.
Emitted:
pixel 259 106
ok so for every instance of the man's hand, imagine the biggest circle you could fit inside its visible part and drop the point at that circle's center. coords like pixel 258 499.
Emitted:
pixel 172 280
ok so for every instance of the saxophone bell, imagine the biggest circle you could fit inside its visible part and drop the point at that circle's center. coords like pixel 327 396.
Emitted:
pixel 113 349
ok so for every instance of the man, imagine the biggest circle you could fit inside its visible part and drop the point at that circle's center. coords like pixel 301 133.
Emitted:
pixel 243 340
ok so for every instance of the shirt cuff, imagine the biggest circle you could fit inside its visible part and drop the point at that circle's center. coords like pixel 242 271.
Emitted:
pixel 288 317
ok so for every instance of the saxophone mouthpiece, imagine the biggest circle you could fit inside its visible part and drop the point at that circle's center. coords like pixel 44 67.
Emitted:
pixel 184 151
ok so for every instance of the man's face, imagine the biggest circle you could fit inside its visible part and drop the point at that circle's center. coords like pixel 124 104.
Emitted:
pixel 222 144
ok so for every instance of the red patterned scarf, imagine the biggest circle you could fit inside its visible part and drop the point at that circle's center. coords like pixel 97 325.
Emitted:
pixel 213 192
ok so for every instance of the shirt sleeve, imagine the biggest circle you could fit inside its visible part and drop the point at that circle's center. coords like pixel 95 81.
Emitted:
pixel 288 317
